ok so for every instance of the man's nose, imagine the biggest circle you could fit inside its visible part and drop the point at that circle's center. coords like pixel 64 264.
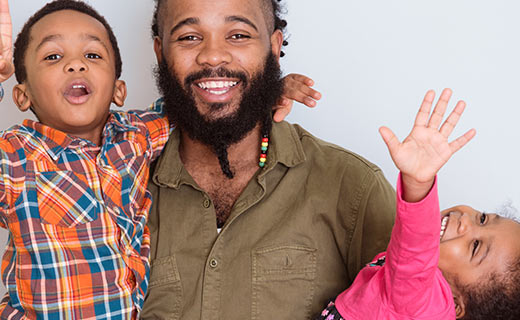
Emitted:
pixel 214 53
pixel 76 65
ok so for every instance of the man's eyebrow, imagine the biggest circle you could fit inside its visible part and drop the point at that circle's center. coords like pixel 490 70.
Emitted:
pixel 241 19
pixel 185 22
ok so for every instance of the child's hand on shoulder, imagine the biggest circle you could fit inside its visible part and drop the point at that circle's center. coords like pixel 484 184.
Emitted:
pixel 297 87
pixel 6 42
pixel 426 149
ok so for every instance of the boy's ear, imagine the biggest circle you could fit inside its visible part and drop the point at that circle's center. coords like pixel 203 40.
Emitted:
pixel 460 308
pixel 157 47
pixel 119 93
pixel 21 97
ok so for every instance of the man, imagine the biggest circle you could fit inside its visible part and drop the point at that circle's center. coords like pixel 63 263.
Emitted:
pixel 251 220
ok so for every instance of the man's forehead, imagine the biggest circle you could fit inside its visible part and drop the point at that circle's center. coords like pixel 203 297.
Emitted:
pixel 258 11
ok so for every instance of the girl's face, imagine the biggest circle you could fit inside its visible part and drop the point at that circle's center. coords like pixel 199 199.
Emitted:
pixel 475 245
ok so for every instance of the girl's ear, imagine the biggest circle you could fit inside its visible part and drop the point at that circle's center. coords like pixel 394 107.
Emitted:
pixel 119 93
pixel 460 308
pixel 21 97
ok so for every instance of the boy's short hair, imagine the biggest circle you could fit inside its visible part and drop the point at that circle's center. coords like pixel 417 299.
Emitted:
pixel 497 297
pixel 23 38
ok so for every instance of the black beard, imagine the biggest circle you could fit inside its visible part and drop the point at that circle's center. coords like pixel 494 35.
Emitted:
pixel 258 99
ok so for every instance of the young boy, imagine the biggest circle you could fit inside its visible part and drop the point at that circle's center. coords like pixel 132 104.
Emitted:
pixel 73 185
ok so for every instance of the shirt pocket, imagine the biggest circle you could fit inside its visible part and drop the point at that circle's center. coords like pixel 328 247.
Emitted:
pixel 282 275
pixel 164 297
pixel 65 200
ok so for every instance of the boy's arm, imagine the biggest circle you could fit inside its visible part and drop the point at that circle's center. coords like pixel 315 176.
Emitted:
pixel 297 87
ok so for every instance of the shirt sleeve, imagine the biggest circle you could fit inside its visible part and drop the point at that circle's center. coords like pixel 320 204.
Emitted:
pixel 157 125
pixel 411 267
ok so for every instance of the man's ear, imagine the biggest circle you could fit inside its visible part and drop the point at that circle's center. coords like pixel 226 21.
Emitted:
pixel 157 47
pixel 21 97
pixel 119 93
pixel 276 43
pixel 460 308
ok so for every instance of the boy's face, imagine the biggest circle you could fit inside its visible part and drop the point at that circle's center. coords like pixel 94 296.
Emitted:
pixel 475 245
pixel 70 74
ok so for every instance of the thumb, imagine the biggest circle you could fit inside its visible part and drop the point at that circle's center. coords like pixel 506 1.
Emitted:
pixel 391 141
pixel 282 109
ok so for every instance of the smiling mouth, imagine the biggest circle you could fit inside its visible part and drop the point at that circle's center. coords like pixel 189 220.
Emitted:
pixel 217 87
pixel 77 93
pixel 444 224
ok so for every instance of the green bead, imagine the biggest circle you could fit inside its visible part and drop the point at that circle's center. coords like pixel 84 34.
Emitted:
pixel 261 164
pixel 264 148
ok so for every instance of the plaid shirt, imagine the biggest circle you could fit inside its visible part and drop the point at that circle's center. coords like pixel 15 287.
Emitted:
pixel 78 243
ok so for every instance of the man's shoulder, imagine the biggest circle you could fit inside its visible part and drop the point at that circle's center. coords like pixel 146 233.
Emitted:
pixel 316 149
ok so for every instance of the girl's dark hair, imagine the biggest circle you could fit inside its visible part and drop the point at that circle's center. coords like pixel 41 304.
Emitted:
pixel 498 298
pixel 279 22
pixel 23 38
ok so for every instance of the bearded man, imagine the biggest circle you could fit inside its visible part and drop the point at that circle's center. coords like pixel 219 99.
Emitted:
pixel 250 219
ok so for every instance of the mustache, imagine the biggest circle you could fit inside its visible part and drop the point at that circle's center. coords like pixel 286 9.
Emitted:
pixel 221 72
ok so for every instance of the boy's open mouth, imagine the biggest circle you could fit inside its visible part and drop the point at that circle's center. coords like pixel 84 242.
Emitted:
pixel 77 92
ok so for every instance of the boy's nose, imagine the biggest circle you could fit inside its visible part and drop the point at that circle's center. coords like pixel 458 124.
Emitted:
pixel 465 223
pixel 76 65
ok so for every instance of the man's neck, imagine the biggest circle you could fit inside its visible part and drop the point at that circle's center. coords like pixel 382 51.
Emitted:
pixel 243 153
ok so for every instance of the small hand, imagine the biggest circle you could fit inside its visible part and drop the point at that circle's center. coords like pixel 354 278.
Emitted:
pixel 6 42
pixel 426 149
pixel 297 87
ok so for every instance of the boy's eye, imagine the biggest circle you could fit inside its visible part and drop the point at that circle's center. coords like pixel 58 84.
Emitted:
pixel 475 247
pixel 483 218
pixel 92 56
pixel 53 57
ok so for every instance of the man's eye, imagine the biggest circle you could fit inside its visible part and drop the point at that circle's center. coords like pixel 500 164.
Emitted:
pixel 53 57
pixel 189 38
pixel 239 36
pixel 483 218
pixel 475 247
pixel 92 56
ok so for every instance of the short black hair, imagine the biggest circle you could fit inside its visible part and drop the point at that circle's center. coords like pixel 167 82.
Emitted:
pixel 497 297
pixel 279 22
pixel 23 38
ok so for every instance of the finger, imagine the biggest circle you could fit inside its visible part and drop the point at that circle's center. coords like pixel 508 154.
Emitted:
pixel 390 139
pixel 5 27
pixel 281 112
pixel 452 120
pixel 440 109
pixel 462 140
pixel 300 96
pixel 424 111
pixel 300 78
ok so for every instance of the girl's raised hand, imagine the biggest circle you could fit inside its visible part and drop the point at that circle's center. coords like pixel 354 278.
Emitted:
pixel 6 42
pixel 426 149
pixel 297 87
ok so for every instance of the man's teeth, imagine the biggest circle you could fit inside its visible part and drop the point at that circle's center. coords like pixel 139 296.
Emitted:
pixel 444 223
pixel 224 86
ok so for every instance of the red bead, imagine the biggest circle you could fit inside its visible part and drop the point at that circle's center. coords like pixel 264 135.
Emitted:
pixel 265 140
pixel 263 156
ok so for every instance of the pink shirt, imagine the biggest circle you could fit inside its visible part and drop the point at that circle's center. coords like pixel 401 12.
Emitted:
pixel 409 285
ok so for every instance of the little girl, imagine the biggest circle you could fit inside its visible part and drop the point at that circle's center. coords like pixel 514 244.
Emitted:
pixel 473 272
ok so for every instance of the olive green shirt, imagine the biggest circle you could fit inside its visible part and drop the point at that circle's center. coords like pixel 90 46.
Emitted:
pixel 296 237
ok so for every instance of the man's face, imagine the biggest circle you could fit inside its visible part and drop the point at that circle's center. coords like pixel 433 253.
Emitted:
pixel 219 47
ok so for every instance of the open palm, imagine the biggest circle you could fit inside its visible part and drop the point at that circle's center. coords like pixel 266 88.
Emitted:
pixel 426 149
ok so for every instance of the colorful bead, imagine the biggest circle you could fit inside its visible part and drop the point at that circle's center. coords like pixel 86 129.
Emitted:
pixel 263 147
pixel 261 164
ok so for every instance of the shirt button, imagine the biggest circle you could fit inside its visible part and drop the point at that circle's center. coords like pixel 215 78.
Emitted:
pixel 206 203
pixel 213 263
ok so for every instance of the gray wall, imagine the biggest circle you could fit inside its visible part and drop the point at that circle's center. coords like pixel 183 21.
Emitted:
pixel 373 60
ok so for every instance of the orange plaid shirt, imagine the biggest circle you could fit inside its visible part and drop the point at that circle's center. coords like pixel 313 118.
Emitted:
pixel 76 213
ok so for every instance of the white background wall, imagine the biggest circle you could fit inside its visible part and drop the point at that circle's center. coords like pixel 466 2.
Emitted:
pixel 373 60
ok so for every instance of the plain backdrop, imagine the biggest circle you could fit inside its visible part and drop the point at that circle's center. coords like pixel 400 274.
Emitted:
pixel 373 60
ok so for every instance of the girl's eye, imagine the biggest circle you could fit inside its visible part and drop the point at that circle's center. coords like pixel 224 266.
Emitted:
pixel 53 57
pixel 483 217
pixel 92 56
pixel 475 246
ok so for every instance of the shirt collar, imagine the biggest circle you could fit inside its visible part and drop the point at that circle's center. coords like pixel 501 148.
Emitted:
pixel 285 147
pixel 55 142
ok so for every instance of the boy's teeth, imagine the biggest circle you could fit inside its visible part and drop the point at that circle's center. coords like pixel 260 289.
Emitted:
pixel 78 86
pixel 444 223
